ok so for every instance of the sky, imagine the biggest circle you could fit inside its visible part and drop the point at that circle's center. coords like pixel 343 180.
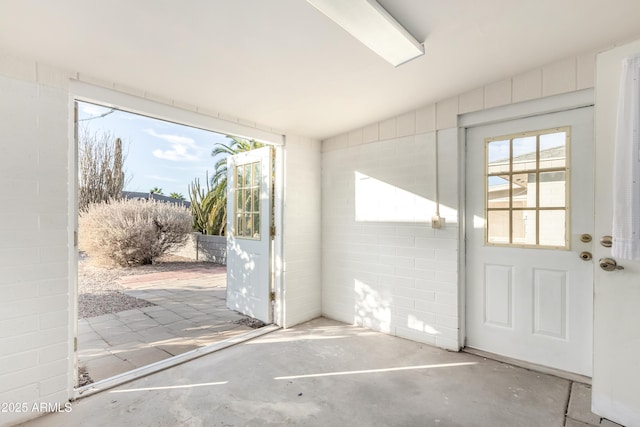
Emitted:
pixel 158 153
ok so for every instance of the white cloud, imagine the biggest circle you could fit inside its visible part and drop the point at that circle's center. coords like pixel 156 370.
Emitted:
pixel 173 139
pixel 178 153
pixel 161 178
pixel 183 149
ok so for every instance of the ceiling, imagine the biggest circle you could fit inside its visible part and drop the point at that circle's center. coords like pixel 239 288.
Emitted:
pixel 282 63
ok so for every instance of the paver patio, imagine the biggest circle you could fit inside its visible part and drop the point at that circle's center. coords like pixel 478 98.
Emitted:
pixel 189 312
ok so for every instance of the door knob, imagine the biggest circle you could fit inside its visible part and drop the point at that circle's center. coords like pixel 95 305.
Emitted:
pixel 609 264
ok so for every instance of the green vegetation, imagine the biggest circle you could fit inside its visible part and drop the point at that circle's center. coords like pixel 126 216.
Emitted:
pixel 209 204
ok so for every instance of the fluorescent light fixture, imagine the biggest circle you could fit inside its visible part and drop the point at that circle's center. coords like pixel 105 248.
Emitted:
pixel 368 22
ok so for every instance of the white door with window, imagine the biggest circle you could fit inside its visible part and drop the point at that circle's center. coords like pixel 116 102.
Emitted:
pixel 529 200
pixel 249 215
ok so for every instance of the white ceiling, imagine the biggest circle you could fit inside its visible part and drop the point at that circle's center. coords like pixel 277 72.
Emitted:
pixel 284 64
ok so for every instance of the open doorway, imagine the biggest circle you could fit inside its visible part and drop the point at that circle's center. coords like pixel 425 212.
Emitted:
pixel 142 313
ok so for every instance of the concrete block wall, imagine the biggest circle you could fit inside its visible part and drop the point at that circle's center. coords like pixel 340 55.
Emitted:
pixel 35 335
pixel 383 266
pixel 302 230
pixel 212 248
pixel 204 247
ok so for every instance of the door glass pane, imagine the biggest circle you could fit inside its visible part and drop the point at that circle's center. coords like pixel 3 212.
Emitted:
pixel 247 176
pixel 553 150
pixel 552 228
pixel 256 199
pixel 256 225
pixel 498 226
pixel 239 225
pixel 524 153
pixel 256 174
pixel 248 228
pixel 527 183
pixel 524 227
pixel 498 156
pixel 498 196
pixel 524 190
pixel 247 199
pixel 239 176
pixel 552 189
pixel 247 207
pixel 239 205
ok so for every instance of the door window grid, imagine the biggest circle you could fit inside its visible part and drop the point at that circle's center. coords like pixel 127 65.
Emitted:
pixel 527 189
pixel 247 204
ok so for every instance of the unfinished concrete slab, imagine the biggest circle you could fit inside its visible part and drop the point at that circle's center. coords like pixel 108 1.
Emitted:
pixel 327 373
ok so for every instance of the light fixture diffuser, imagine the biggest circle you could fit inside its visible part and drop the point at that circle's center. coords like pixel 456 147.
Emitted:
pixel 368 22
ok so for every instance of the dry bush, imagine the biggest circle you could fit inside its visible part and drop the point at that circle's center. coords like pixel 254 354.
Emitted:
pixel 132 232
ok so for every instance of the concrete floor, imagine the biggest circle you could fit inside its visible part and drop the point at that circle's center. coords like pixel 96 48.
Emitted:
pixel 190 312
pixel 324 373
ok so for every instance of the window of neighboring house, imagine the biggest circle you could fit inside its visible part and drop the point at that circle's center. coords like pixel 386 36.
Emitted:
pixel 527 189
pixel 247 206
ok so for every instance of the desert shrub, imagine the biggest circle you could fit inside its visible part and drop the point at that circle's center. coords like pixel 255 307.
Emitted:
pixel 132 232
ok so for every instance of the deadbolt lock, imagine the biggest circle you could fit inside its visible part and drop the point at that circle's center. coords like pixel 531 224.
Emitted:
pixel 606 241
pixel 585 256
pixel 609 264
pixel 585 238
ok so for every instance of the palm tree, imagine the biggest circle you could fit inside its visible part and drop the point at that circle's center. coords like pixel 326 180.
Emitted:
pixel 212 204
pixel 177 196
pixel 236 146
pixel 156 190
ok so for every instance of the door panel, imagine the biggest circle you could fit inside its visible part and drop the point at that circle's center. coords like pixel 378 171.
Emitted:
pixel 249 206
pixel 528 296
pixel 616 377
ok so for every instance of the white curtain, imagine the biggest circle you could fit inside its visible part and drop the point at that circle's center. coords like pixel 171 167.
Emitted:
pixel 626 170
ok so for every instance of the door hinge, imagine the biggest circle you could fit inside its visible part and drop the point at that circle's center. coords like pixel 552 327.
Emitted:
pixel 273 231
pixel 75 239
pixel 75 344
pixel 272 296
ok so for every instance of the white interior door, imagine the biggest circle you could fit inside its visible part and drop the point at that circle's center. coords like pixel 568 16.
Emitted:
pixel 529 198
pixel 616 369
pixel 249 187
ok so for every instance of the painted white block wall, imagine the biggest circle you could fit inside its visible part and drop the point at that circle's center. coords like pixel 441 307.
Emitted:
pixel 35 343
pixel 302 230
pixel 383 266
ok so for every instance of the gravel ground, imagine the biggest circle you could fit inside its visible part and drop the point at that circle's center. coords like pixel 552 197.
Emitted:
pixel 98 289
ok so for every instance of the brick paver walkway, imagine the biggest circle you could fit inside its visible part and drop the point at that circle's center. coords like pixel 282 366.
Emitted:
pixel 190 312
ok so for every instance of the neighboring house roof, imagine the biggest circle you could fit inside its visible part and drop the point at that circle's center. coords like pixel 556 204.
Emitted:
pixel 157 197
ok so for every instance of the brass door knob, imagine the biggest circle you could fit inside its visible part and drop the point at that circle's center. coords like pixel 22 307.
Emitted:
pixel 609 264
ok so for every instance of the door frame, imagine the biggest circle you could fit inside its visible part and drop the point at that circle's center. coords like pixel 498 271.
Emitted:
pixel 522 110
pixel 82 91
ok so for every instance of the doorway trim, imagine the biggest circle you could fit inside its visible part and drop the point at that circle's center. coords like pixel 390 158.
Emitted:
pixel 81 91
pixel 536 107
